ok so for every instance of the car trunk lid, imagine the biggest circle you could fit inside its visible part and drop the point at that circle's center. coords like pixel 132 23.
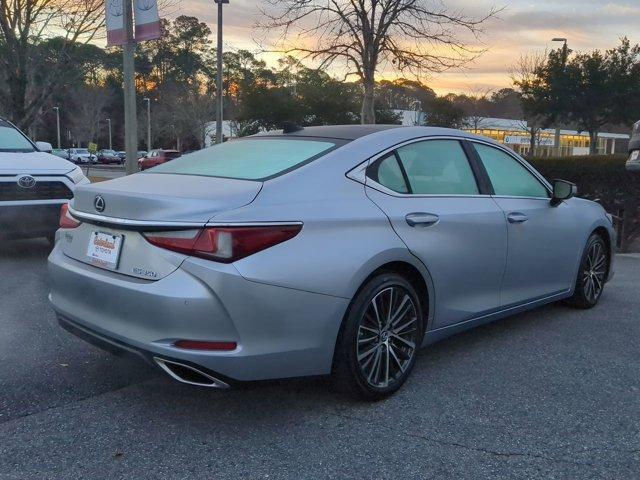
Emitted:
pixel 147 202
pixel 149 197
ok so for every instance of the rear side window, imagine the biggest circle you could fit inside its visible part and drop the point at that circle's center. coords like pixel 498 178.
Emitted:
pixel 508 176
pixel 438 167
pixel 387 173
pixel 249 159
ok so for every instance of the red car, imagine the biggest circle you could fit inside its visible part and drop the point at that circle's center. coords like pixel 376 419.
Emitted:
pixel 156 157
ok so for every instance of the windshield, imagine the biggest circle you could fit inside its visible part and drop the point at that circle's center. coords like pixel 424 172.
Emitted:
pixel 249 159
pixel 82 150
pixel 11 140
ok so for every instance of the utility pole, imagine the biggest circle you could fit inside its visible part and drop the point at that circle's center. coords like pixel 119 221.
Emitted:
pixel 110 144
pixel 130 121
pixel 57 109
pixel 219 74
pixel 148 102
pixel 565 54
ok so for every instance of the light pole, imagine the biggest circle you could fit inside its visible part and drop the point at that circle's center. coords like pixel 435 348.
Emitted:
pixel 565 54
pixel 146 99
pixel 128 73
pixel 219 74
pixel 110 144
pixel 57 109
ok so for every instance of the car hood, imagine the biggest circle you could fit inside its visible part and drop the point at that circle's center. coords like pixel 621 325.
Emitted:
pixel 34 163
pixel 166 197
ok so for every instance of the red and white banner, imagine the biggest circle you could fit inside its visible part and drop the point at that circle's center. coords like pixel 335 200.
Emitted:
pixel 146 17
pixel 147 20
pixel 115 22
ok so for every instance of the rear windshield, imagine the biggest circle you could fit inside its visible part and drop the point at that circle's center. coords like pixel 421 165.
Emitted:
pixel 249 159
pixel 11 140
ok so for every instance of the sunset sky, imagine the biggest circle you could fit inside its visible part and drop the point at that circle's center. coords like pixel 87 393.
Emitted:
pixel 523 25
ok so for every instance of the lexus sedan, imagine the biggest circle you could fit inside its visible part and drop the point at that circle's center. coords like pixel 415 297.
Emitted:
pixel 322 250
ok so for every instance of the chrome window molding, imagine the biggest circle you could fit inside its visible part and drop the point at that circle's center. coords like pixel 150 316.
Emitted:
pixel 359 173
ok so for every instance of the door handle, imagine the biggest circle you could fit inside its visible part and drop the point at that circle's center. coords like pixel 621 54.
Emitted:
pixel 421 219
pixel 517 217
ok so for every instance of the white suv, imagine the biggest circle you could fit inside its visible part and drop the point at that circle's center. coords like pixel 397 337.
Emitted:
pixel 33 185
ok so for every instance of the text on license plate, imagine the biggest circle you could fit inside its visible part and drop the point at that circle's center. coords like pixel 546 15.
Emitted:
pixel 104 249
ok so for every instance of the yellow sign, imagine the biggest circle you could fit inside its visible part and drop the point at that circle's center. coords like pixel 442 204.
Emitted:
pixel 93 148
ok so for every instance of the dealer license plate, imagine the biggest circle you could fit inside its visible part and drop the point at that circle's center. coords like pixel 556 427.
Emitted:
pixel 104 249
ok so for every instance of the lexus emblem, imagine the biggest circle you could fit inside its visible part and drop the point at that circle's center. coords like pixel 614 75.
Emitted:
pixel 98 203
pixel 26 181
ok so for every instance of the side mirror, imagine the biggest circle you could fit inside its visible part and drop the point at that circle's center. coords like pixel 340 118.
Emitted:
pixel 44 146
pixel 562 190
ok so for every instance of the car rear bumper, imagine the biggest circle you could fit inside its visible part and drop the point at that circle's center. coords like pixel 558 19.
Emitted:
pixel 280 332
pixel 29 220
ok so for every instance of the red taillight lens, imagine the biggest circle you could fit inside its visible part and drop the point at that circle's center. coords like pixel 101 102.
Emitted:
pixel 223 244
pixel 66 220
pixel 200 345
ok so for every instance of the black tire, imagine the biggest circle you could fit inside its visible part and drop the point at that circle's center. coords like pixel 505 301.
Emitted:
pixel 592 274
pixel 383 293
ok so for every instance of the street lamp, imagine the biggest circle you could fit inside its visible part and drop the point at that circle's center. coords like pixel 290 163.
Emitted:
pixel 565 54
pixel 110 144
pixel 146 99
pixel 219 73
pixel 57 109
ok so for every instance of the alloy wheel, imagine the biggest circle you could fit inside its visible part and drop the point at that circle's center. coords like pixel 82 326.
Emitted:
pixel 387 337
pixel 593 274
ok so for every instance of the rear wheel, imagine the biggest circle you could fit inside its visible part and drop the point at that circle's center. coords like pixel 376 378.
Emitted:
pixel 378 343
pixel 592 274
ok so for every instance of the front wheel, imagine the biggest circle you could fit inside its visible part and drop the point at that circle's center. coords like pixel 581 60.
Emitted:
pixel 378 342
pixel 592 274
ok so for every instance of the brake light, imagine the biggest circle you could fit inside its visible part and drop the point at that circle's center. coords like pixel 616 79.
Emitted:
pixel 223 244
pixel 66 220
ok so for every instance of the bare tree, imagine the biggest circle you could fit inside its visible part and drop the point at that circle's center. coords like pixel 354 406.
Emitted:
pixel 366 35
pixel 524 72
pixel 29 70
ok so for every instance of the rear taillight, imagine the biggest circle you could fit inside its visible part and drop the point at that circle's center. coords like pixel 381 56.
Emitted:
pixel 223 244
pixel 66 220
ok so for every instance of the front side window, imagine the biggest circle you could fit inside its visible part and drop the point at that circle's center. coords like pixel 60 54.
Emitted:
pixel 249 159
pixel 508 176
pixel 11 140
pixel 438 167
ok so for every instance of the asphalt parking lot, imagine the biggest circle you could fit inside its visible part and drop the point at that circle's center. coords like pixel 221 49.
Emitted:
pixel 553 393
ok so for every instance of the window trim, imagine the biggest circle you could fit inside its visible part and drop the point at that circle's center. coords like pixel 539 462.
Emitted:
pixel 360 175
pixel 520 161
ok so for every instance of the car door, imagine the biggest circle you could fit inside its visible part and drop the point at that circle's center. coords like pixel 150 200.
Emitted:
pixel 543 240
pixel 430 193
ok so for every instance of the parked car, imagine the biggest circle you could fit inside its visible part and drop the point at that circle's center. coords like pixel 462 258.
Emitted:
pixel 142 153
pixel 157 157
pixel 33 185
pixel 107 156
pixel 633 162
pixel 122 155
pixel 324 250
pixel 82 155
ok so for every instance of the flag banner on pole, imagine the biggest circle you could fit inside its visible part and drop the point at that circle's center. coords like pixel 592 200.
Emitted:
pixel 115 22
pixel 147 20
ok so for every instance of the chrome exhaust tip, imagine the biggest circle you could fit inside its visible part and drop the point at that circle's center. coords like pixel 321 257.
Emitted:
pixel 188 374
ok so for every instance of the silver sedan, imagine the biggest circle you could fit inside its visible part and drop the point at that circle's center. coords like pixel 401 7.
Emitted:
pixel 321 250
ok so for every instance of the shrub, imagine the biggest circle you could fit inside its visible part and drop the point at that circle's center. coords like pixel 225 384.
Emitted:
pixel 603 178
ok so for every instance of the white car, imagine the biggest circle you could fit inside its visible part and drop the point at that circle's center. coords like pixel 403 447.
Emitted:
pixel 33 185
pixel 82 155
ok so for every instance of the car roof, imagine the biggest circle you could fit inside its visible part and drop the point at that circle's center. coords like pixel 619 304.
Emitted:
pixel 341 132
